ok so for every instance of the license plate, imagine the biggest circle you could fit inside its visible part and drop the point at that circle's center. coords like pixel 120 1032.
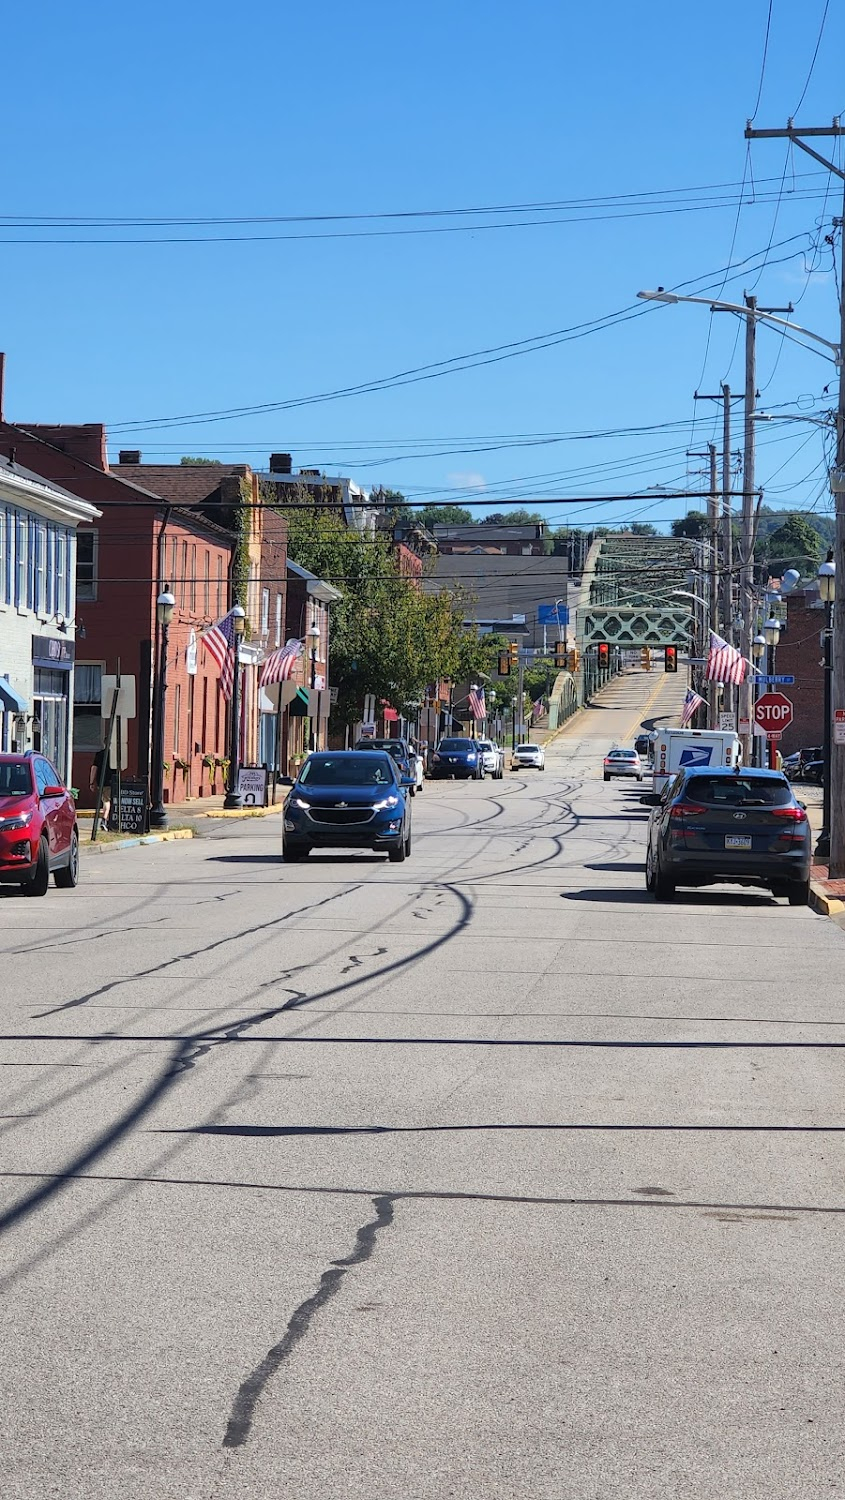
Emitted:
pixel 737 840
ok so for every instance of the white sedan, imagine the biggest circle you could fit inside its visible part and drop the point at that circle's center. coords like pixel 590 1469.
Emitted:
pixel 528 755
pixel 492 759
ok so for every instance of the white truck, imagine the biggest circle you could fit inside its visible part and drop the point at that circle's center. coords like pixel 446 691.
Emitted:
pixel 675 749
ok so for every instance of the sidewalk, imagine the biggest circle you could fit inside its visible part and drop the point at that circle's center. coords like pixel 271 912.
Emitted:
pixel 826 896
pixel 200 807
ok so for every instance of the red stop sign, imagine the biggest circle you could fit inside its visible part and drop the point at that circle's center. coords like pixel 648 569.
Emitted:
pixel 773 712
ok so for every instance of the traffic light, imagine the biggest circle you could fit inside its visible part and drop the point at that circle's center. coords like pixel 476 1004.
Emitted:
pixel 645 658
pixel 513 648
pixel 670 658
pixel 560 654
pixel 504 664
pixel 604 654
pixel 573 659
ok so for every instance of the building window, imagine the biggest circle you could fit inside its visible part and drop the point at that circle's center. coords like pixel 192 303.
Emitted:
pixel 20 560
pixel 174 560
pixel 5 557
pixel 87 548
pixel 206 584
pixel 40 588
pixel 182 593
pixel 219 611
pixel 87 706
pixel 193 578
pixel 265 612
pixel 177 714
pixel 60 585
pixel 278 620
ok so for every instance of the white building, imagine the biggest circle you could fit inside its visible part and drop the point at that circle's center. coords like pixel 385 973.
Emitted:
pixel 38 522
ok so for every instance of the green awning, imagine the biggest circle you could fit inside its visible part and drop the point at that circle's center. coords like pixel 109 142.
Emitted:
pixel 298 706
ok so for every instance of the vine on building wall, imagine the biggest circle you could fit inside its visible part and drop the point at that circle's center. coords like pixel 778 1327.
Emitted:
pixel 243 521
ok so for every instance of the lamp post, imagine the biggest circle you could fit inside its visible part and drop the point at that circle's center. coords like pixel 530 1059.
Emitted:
pixel 233 797
pixel 314 638
pixel 827 594
pixel 758 652
pixel 165 605
pixel 771 634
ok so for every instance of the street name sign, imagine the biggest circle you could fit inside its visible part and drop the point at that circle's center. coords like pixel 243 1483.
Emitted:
pixel 777 681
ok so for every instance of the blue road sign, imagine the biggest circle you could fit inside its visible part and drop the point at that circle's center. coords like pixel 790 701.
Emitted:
pixel 777 681
pixel 552 614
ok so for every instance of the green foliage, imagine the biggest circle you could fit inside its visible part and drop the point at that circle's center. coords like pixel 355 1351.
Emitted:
pixel 443 515
pixel 512 518
pixel 392 502
pixel 187 459
pixel 387 636
pixel 240 560
pixel 795 542
pixel 643 528
pixel 694 524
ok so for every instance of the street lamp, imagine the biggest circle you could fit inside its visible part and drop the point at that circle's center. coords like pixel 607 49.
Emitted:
pixel 233 797
pixel 827 594
pixel 771 635
pixel 165 605
pixel 758 647
pixel 757 313
pixel 314 637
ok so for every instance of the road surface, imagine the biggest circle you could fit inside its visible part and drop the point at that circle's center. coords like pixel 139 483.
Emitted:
pixel 479 1176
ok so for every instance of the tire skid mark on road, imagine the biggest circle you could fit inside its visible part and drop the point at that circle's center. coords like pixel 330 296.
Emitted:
pixel 250 1391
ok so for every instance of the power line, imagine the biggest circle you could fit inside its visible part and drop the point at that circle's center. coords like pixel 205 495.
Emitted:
pixel 763 63
pixel 813 59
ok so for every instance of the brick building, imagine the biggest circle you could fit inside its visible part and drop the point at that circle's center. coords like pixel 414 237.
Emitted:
pixel 799 654
pixel 139 542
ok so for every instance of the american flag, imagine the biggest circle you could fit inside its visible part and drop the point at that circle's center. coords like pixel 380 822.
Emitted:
pixel 691 702
pixel 219 641
pixel 477 706
pixel 724 662
pixel 279 666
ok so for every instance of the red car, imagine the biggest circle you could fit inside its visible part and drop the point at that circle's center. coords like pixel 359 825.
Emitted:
pixel 39 835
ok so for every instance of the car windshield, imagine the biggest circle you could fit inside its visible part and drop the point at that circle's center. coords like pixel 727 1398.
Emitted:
pixel 531 749
pixel 15 780
pixel 455 744
pixel 392 747
pixel 738 791
pixel 484 745
pixel 349 770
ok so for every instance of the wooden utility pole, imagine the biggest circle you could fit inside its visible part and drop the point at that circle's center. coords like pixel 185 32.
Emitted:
pixel 800 137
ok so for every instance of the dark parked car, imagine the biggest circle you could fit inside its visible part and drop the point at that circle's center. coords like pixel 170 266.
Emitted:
pixel 457 757
pixel 39 836
pixel 348 799
pixel 403 754
pixel 642 745
pixel 741 825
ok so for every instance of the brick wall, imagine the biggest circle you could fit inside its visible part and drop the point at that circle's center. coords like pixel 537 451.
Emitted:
pixel 799 654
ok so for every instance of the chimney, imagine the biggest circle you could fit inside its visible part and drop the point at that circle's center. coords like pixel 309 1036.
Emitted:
pixel 281 463
pixel 129 456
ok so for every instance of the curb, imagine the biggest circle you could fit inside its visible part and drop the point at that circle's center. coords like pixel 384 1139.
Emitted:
pixel 821 902
pixel 147 838
pixel 236 812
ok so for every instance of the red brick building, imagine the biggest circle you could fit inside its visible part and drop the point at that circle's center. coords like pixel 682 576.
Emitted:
pixel 139 542
pixel 799 654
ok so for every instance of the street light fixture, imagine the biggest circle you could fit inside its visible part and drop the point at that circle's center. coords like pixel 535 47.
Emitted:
pixel 758 647
pixel 758 314
pixel 165 605
pixel 313 634
pixel 233 797
pixel 827 594
pixel 771 630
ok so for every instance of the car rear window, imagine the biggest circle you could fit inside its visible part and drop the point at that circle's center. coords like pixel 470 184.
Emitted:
pixel 739 791
pixel 623 755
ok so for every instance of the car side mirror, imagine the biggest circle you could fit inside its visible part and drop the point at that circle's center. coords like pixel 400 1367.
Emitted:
pixel 408 781
pixel 52 791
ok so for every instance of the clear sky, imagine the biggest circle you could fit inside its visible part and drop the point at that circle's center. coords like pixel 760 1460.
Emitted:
pixel 277 112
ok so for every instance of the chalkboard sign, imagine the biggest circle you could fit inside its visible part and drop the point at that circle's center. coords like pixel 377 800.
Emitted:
pixel 133 809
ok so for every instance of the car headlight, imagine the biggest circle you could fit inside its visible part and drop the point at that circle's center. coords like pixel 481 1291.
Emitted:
pixel 20 820
pixel 300 802
pixel 385 802
pixel 471 755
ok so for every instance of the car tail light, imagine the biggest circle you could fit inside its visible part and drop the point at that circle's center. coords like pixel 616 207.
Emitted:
pixel 795 814
pixel 685 810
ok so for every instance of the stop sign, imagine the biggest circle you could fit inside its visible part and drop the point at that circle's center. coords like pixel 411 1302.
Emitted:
pixel 773 712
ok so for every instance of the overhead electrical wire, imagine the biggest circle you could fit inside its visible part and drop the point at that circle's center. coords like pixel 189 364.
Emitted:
pixel 813 59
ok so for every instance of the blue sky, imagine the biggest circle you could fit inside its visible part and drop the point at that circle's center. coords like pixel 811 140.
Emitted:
pixel 199 112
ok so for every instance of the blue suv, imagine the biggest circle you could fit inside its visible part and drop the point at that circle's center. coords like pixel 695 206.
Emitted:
pixel 348 799
pixel 457 757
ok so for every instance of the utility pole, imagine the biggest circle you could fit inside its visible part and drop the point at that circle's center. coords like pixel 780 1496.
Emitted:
pixel 713 574
pixel 746 691
pixel 725 612
pixel 799 138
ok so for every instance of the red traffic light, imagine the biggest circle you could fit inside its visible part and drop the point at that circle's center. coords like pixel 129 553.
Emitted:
pixel 670 658
pixel 604 654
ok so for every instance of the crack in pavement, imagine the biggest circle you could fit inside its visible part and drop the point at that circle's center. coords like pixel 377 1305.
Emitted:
pixel 251 1390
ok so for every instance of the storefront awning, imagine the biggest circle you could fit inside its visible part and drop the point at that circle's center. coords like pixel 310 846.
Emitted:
pixel 10 700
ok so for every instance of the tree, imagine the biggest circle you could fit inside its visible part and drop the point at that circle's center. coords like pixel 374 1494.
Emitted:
pixel 443 515
pixel 795 542
pixel 392 502
pixel 694 524
pixel 187 459
pixel 643 528
pixel 512 518
pixel 387 636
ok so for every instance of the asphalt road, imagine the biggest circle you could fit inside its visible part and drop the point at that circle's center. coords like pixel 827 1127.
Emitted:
pixel 478 1176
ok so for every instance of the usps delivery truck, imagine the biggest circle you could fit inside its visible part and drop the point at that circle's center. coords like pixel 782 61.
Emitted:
pixel 678 749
